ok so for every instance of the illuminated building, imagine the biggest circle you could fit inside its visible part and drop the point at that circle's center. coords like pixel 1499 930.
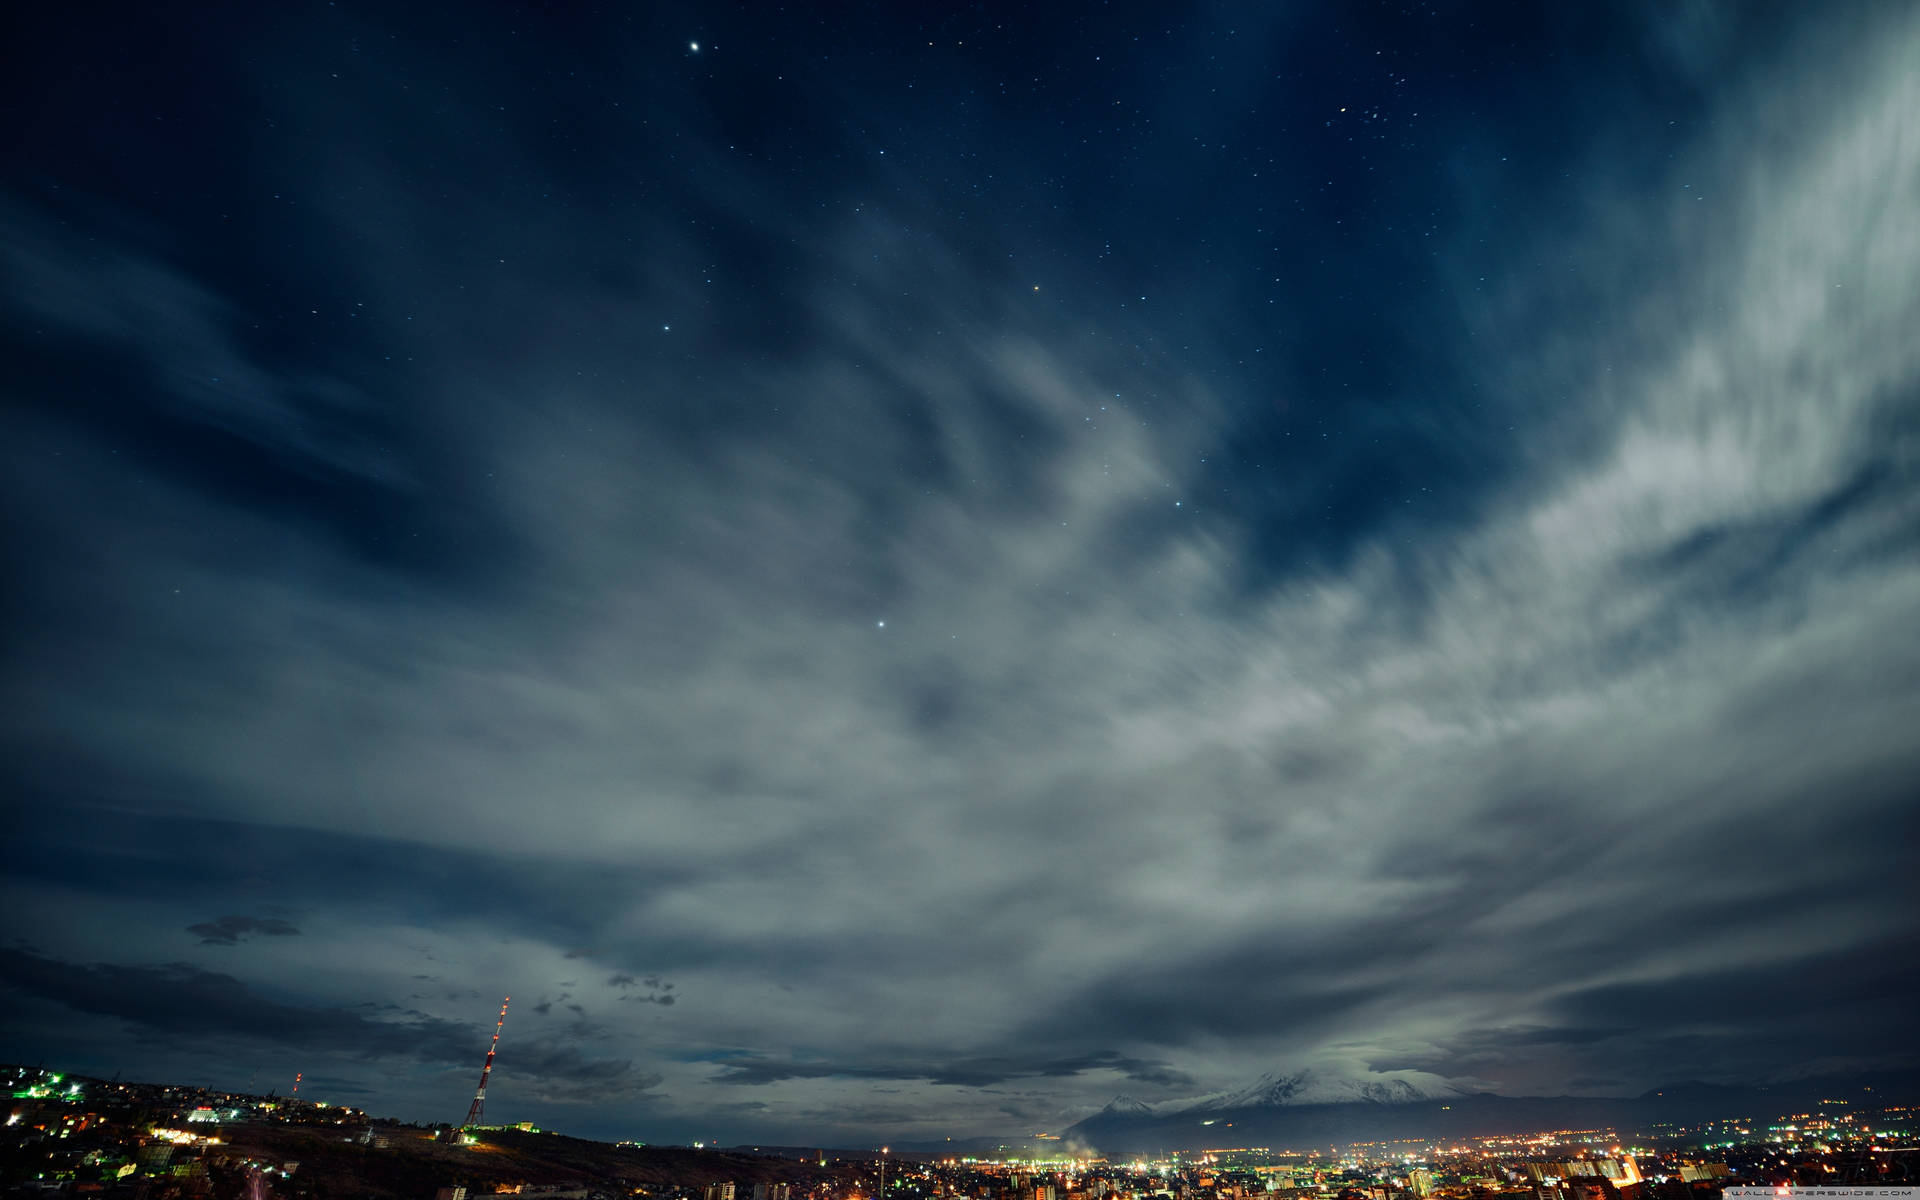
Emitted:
pixel 1620 1172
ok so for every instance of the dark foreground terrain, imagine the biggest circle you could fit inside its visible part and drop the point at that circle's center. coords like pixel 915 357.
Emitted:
pixel 408 1164
pixel 89 1139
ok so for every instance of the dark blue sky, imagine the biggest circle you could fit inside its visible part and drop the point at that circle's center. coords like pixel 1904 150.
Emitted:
pixel 891 573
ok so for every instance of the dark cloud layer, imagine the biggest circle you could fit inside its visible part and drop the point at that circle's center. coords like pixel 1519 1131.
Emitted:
pixel 183 1000
pixel 1000 558
pixel 957 1072
pixel 231 930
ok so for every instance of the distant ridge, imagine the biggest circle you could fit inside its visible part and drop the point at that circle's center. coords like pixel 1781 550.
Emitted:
pixel 1276 1089
pixel 1308 1109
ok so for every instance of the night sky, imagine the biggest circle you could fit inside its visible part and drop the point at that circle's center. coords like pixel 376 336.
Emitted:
pixel 893 572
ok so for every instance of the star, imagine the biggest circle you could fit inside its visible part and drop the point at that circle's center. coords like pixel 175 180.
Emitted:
pixel 879 624
pixel 694 46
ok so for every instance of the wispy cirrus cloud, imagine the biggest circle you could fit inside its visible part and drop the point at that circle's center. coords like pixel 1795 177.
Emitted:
pixel 912 652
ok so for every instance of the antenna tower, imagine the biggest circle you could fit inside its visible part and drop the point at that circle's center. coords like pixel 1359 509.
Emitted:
pixel 480 1093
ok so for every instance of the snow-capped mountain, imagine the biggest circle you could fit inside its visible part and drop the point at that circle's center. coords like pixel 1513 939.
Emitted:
pixel 1275 1089
pixel 1324 1108
pixel 1124 1105
pixel 1278 1089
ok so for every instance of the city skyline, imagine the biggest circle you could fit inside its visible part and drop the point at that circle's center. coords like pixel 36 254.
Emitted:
pixel 891 574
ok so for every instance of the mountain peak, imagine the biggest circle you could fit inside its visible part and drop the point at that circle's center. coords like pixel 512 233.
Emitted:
pixel 1124 1105
pixel 1276 1089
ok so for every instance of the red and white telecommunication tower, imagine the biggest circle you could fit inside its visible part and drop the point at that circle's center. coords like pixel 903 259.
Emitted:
pixel 480 1093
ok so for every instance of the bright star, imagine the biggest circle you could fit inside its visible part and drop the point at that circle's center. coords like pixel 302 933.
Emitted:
pixel 880 624
pixel 694 46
